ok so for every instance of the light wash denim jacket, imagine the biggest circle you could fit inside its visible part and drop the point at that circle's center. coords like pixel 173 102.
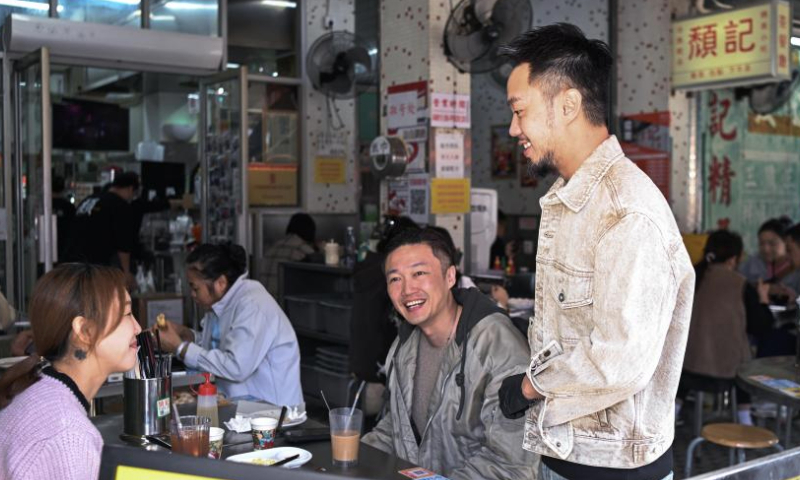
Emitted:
pixel 614 291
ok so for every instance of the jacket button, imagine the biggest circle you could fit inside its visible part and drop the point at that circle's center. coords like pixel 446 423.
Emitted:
pixel 561 297
pixel 558 444
pixel 547 353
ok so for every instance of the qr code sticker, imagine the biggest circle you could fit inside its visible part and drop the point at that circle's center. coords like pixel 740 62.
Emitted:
pixel 418 202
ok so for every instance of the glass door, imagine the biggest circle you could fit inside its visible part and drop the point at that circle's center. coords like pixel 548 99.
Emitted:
pixel 223 156
pixel 36 245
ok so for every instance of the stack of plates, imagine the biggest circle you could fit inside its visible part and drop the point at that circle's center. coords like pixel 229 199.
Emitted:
pixel 333 359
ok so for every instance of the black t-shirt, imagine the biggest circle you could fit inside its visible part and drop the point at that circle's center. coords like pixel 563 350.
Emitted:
pixel 104 225
pixel 575 471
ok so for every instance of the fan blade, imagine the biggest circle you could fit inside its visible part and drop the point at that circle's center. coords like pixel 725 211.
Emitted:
pixel 336 82
pixel 360 55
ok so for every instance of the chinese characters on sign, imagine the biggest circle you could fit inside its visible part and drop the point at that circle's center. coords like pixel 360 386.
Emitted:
pixel 718 112
pixel 450 110
pixel 406 105
pixel 719 178
pixel 449 154
pixel 732 48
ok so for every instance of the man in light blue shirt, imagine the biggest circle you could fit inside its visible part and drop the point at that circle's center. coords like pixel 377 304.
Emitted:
pixel 247 341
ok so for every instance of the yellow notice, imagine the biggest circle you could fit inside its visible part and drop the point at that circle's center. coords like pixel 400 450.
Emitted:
pixel 330 170
pixel 135 473
pixel 732 47
pixel 272 185
pixel 450 195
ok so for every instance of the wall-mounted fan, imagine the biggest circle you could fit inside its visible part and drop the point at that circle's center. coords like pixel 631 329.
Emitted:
pixel 337 61
pixel 476 29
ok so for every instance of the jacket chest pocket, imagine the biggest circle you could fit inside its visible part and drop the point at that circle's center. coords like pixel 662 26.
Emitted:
pixel 571 293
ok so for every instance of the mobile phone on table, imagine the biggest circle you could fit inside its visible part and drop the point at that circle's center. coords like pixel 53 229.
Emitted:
pixel 307 435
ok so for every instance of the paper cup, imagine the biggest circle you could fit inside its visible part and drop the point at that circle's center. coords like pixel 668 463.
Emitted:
pixel 263 430
pixel 215 435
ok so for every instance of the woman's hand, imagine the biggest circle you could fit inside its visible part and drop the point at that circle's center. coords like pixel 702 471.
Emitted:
pixel 172 335
pixel 763 292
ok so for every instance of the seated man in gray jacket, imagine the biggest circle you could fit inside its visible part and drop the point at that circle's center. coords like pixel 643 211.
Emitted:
pixel 445 369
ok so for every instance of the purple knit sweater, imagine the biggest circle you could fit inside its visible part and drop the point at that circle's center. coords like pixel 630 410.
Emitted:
pixel 46 434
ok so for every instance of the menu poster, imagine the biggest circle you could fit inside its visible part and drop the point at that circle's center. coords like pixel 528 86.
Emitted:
pixel 449 154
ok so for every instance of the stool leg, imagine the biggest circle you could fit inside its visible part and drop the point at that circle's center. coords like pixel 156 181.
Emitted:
pixel 698 413
pixel 778 447
pixel 731 457
pixel 740 452
pixel 690 455
pixel 734 405
pixel 789 415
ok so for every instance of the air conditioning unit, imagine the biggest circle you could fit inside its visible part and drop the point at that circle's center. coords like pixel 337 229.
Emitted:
pixel 111 46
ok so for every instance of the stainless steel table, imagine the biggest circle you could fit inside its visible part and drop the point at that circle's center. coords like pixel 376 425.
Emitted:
pixel 373 463
pixel 777 368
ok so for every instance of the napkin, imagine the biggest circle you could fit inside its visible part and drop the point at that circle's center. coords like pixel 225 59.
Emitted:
pixel 238 424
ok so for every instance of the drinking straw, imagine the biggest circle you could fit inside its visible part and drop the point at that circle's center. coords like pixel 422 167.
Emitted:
pixel 358 394
pixel 325 400
pixel 177 417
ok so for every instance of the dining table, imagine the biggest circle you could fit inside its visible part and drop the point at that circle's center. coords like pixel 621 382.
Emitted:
pixel 756 378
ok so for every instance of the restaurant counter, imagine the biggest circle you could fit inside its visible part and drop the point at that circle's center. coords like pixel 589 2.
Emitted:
pixel 372 462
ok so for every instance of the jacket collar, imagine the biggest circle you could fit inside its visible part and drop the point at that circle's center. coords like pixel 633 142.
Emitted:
pixel 575 194
pixel 227 299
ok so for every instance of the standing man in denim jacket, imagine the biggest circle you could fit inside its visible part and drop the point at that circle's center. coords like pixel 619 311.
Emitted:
pixel 614 283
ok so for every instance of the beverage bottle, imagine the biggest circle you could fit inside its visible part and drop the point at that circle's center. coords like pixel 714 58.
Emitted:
pixel 350 248
pixel 510 268
pixel 207 401
pixel 497 265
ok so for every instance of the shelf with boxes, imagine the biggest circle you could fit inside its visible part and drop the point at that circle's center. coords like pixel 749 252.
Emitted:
pixel 318 301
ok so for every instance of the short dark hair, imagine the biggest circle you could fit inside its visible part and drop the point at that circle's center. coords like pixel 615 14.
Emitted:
pixel 561 57
pixel 126 179
pixel 721 246
pixel 442 247
pixel 302 225
pixel 778 226
pixel 794 234
pixel 211 261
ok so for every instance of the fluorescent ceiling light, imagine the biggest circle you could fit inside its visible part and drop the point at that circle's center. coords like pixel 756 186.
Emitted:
pixel 178 5
pixel 124 2
pixel 274 74
pixel 26 4
pixel 373 51
pixel 279 3
pixel 232 65
pixel 796 41
pixel 163 18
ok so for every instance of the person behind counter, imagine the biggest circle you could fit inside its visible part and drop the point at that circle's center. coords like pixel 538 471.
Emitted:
pixel 296 246
pixel 247 342
pixel 84 330
pixel 104 229
pixel 450 357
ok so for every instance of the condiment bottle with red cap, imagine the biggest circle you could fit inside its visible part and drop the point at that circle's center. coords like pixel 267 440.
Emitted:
pixel 207 401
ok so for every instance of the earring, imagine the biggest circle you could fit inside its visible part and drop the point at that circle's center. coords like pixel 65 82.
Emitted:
pixel 80 354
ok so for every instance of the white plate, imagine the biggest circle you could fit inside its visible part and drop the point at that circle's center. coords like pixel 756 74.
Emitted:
pixel 10 361
pixel 277 454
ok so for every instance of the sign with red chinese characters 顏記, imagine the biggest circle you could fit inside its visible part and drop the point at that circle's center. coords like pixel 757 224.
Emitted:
pixel 737 47
pixel 450 110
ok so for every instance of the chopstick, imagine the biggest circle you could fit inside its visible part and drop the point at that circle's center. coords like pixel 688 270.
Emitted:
pixel 286 460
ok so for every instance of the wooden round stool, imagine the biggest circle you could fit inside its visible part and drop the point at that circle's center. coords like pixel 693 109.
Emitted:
pixel 734 436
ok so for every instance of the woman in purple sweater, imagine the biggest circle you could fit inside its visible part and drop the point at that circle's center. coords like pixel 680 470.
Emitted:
pixel 84 330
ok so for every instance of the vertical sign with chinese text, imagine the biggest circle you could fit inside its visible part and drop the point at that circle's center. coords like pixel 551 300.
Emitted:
pixel 450 110
pixel 737 47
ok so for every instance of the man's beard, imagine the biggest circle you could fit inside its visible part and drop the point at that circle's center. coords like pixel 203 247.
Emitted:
pixel 544 167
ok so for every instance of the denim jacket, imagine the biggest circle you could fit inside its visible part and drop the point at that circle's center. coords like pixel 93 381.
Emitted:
pixel 614 291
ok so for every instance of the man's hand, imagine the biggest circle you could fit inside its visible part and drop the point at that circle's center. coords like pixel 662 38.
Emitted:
pixel 528 391
pixel 500 295
pixel 512 401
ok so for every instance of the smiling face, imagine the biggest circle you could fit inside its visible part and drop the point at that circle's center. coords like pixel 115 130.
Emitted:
pixel 417 284
pixel 116 352
pixel 771 246
pixel 532 120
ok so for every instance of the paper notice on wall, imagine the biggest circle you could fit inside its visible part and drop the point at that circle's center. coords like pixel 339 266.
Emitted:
pixel 418 198
pixel 332 144
pixel 450 195
pixel 330 170
pixel 402 109
pixel 397 195
pixel 416 157
pixel 450 110
pixel 449 150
